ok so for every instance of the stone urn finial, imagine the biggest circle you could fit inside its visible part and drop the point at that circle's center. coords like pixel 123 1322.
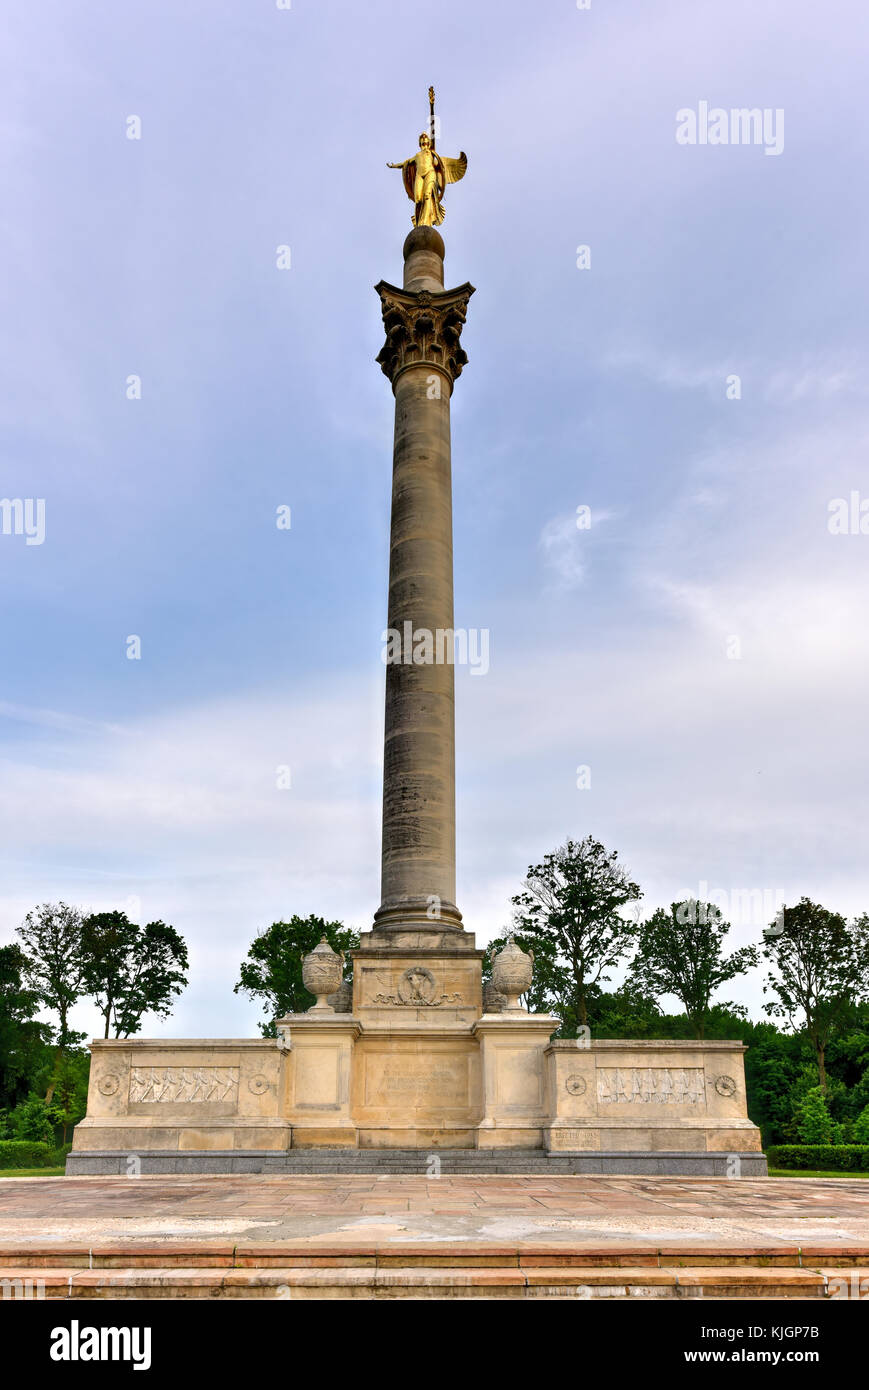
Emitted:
pixel 512 973
pixel 322 971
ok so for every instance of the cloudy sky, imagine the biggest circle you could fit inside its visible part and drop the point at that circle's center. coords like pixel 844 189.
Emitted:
pixel 701 648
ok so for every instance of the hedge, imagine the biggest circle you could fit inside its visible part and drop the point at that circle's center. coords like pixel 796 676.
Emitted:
pixel 26 1153
pixel 843 1157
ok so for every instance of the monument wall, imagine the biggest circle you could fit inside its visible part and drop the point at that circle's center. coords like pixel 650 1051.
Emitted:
pixel 418 1081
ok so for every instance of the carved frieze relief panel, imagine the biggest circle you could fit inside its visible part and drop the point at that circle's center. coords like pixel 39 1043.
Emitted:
pixel 183 1085
pixel 651 1086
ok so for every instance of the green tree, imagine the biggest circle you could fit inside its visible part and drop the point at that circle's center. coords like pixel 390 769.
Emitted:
pixel 774 1064
pixel 131 971
pixel 680 952
pixel 572 905
pixel 22 1037
pixel 814 1122
pixel 155 976
pixel 847 1057
pixel 33 1120
pixel 819 970
pixel 108 941
pixel 272 970
pixel 51 938
pixel 861 1127
pixel 626 1013
pixel 69 1101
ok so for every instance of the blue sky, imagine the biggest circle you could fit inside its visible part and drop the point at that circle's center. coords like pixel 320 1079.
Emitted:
pixel 152 782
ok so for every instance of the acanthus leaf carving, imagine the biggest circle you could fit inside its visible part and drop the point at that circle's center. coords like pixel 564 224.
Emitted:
pixel 423 329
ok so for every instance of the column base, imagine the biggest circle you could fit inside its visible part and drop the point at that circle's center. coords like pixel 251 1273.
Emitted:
pixel 415 914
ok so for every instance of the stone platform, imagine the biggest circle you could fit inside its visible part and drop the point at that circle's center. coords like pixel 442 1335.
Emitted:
pixel 384 1162
pixel 406 1079
pixel 393 1237
pixel 749 1212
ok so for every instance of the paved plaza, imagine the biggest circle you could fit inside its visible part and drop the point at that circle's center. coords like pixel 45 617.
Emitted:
pixel 483 1209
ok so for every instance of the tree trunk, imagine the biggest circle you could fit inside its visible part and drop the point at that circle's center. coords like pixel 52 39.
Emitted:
pixel 52 1080
pixel 822 1070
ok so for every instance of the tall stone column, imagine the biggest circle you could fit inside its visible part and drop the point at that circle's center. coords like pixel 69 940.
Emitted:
pixel 422 357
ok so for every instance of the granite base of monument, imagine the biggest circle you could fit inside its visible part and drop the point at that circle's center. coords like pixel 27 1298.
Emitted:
pixel 417 1074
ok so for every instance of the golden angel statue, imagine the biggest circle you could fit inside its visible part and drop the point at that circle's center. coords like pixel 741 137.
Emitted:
pixel 426 174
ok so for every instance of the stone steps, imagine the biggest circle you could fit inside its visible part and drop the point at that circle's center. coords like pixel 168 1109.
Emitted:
pixel 456 1254
pixel 418 1282
pixel 437 1270
pixel 409 1161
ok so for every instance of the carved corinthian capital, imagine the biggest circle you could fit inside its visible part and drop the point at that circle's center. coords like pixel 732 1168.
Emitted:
pixel 423 329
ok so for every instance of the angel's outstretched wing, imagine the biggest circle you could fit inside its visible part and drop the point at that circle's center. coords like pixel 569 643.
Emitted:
pixel 408 174
pixel 454 169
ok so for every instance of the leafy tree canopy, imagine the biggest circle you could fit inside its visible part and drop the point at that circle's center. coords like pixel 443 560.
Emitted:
pixel 819 971
pixel 680 952
pixel 573 905
pixel 54 965
pixel 131 971
pixel 22 1037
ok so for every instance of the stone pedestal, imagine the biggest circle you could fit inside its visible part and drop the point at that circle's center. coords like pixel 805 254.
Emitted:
pixel 428 978
pixel 401 1074
pixel 318 1076
pixel 416 1087
pixel 417 994
pixel 512 1050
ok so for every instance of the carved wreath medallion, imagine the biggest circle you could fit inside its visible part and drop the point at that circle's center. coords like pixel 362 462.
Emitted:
pixel 416 986
pixel 576 1084
pixel 725 1085
pixel 108 1084
pixel 416 990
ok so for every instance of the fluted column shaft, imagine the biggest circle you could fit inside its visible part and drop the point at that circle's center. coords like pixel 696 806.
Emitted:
pixel 422 358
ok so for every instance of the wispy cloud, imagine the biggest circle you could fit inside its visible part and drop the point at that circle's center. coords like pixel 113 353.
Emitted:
pixel 566 541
